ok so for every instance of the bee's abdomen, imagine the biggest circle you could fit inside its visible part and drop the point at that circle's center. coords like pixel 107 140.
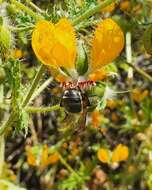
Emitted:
pixel 72 101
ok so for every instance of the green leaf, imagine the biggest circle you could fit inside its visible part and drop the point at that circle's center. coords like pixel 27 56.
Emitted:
pixel 13 73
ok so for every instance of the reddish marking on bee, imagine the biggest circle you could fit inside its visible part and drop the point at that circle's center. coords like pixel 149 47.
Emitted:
pixel 80 84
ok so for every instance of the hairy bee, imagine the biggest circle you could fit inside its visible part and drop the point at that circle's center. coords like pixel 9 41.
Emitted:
pixel 74 100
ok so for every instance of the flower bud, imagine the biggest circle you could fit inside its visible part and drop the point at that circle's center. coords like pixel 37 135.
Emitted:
pixel 82 62
pixel 5 40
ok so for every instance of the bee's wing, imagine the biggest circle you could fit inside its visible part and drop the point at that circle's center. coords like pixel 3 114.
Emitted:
pixel 68 124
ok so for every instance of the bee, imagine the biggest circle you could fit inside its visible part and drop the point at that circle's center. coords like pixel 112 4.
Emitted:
pixel 74 100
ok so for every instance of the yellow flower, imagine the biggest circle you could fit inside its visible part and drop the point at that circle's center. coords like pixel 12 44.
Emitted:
pixel 103 155
pixel 107 43
pixel 31 159
pixel 55 44
pixel 120 153
pixel 47 158
pixel 53 158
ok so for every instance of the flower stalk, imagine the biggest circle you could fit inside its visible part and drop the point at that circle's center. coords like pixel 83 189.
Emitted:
pixel 41 88
pixel 31 109
pixel 34 6
pixel 63 161
pixel 27 10
pixel 92 11
pixel 141 72
pixel 34 85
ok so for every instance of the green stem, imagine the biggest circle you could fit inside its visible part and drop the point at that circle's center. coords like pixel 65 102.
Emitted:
pixel 63 161
pixel 27 10
pixel 87 24
pixel 34 6
pixel 15 29
pixel 92 11
pixel 42 109
pixel 41 88
pixel 8 123
pixel 2 153
pixel 141 72
pixel 33 86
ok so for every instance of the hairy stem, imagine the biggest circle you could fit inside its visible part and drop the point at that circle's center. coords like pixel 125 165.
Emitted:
pixel 33 86
pixel 34 6
pixel 63 161
pixel 92 11
pixel 141 72
pixel 41 88
pixel 42 109
pixel 27 10
pixel 8 123
pixel 15 29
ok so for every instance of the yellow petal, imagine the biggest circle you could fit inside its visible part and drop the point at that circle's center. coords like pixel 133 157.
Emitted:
pixel 103 155
pixel 55 44
pixel 120 153
pixel 44 157
pixel 31 159
pixel 98 75
pixel 43 41
pixel 61 78
pixel 107 43
pixel 53 158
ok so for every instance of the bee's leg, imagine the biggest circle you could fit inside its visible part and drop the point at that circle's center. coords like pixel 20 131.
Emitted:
pixel 66 118
pixel 82 121
pixel 68 122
